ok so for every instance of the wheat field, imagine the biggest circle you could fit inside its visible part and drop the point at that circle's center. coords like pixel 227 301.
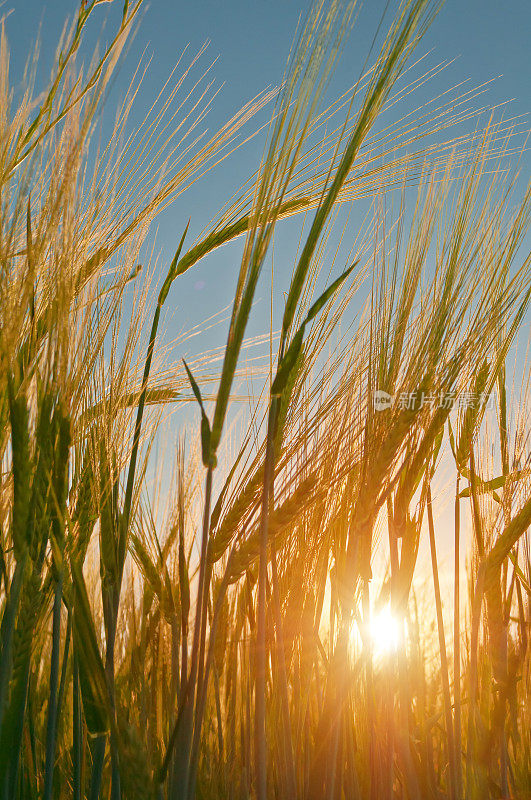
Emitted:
pixel 328 597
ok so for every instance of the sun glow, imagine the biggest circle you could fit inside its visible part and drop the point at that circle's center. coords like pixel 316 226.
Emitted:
pixel 384 631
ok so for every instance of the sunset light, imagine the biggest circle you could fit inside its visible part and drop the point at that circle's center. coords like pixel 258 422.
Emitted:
pixel 385 632
pixel 265 442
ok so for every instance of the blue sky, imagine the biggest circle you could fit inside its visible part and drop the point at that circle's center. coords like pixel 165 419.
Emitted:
pixel 483 38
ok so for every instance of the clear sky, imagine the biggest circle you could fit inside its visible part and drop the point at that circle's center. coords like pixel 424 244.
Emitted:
pixel 483 38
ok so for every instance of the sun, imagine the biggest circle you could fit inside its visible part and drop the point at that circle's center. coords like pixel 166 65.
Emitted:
pixel 385 632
